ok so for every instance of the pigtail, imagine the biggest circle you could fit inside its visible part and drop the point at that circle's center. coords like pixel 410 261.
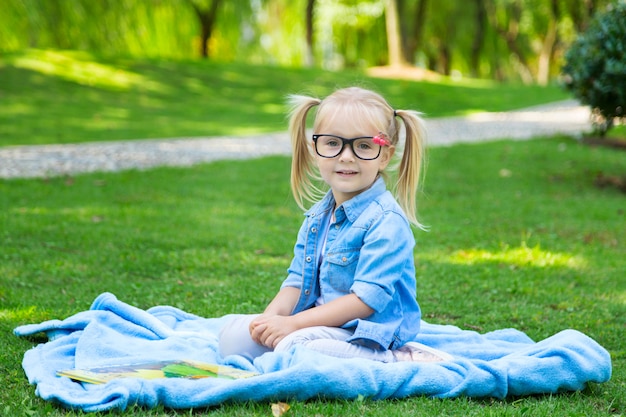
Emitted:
pixel 303 172
pixel 411 165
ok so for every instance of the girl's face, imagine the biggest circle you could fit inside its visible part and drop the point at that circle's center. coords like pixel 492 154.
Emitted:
pixel 346 174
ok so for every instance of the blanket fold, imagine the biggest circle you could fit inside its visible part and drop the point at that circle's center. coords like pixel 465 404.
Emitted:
pixel 496 364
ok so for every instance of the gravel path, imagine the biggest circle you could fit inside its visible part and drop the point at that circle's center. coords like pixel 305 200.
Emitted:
pixel 566 117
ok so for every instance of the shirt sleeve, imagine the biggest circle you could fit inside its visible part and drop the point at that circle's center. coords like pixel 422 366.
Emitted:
pixel 385 261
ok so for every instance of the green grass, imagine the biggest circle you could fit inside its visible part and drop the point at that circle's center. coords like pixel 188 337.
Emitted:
pixel 520 237
pixel 69 97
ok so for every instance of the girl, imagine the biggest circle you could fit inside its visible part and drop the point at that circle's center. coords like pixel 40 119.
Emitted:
pixel 350 291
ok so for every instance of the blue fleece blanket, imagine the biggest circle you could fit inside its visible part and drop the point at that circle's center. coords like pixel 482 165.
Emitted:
pixel 496 364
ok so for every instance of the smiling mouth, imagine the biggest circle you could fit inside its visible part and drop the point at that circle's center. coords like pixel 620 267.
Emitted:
pixel 346 172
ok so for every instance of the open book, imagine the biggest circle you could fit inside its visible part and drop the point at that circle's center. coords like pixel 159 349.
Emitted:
pixel 152 370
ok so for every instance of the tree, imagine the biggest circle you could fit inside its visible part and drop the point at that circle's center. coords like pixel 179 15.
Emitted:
pixel 499 39
pixel 309 14
pixel 479 37
pixel 206 15
pixel 505 19
pixel 412 24
pixel 548 44
pixel 394 40
pixel 581 12
pixel 595 67
pixel 445 36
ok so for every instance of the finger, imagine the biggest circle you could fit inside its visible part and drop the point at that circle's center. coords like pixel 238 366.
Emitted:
pixel 270 342
pixel 257 333
pixel 253 326
pixel 255 322
pixel 277 340
pixel 269 337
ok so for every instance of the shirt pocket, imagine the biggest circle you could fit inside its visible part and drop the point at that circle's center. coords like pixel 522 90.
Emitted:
pixel 342 269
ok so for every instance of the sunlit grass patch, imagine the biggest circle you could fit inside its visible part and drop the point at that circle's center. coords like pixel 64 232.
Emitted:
pixel 24 314
pixel 519 256
pixel 84 69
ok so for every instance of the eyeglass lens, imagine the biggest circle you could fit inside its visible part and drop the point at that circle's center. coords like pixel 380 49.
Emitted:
pixel 329 146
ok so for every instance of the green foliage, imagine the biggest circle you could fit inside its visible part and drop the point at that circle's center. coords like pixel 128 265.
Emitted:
pixel 350 33
pixel 595 67
pixel 121 27
pixel 346 33
pixel 539 249
pixel 146 28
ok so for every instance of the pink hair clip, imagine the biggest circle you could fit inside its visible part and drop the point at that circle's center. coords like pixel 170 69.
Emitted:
pixel 381 139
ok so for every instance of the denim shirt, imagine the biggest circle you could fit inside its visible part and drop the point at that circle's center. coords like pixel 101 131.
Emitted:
pixel 368 252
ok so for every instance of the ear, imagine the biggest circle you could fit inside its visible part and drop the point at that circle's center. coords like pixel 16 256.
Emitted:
pixel 386 155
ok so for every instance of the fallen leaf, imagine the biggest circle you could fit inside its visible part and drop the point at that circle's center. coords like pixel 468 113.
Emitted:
pixel 279 409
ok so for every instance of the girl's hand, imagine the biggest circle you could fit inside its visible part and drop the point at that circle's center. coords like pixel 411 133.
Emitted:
pixel 269 330
pixel 271 327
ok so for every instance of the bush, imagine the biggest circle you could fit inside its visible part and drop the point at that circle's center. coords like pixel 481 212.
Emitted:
pixel 595 67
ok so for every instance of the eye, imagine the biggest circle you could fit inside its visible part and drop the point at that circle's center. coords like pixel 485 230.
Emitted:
pixel 331 142
pixel 364 144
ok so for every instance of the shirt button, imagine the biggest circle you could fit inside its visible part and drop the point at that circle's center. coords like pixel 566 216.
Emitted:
pixel 313 229
pixel 307 292
pixel 336 226
pixel 344 259
pixel 308 259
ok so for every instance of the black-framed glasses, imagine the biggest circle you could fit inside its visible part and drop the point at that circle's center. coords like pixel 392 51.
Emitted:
pixel 330 146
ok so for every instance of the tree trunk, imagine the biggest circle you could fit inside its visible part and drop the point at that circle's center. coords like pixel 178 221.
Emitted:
pixel 394 43
pixel 509 34
pixel 479 37
pixel 445 59
pixel 547 48
pixel 309 59
pixel 413 42
pixel 545 57
pixel 581 13
pixel 206 17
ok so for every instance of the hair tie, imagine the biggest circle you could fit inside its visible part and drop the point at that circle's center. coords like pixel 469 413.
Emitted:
pixel 395 114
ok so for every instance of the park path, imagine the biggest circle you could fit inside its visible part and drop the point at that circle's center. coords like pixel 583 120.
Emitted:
pixel 567 117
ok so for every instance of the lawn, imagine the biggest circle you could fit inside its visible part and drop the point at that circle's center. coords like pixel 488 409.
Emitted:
pixel 70 97
pixel 520 237
pixel 519 234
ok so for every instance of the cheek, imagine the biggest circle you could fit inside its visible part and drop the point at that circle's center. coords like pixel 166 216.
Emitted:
pixel 324 165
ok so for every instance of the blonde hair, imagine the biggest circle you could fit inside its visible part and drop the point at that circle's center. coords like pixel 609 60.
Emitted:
pixel 357 106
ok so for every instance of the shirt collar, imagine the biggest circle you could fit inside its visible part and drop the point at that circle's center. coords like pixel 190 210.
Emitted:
pixel 357 204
